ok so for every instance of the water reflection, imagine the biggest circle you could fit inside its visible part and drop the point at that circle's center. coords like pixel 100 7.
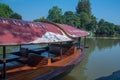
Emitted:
pixel 102 59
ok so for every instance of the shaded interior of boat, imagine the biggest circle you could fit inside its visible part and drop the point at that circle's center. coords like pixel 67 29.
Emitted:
pixel 38 61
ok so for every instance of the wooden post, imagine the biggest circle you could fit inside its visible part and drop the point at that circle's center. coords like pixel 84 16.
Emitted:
pixel 75 49
pixel 49 61
pixel 4 63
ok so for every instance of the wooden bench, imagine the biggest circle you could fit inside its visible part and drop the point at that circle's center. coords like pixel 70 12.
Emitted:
pixel 35 60
pixel 70 51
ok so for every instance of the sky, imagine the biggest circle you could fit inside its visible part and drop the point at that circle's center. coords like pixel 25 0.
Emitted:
pixel 109 10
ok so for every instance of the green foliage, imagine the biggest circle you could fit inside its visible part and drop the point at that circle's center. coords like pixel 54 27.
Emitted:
pixel 7 12
pixel 85 20
pixel 117 29
pixel 105 28
pixel 40 19
pixel 16 16
pixel 71 19
pixel 83 6
pixel 55 15
pixel 83 10
pixel 93 24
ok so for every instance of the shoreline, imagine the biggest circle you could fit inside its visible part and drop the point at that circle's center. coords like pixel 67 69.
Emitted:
pixel 105 37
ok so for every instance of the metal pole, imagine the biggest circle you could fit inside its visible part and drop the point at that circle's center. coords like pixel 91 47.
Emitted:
pixel 49 58
pixel 20 47
pixel 61 50
pixel 48 49
pixel 79 41
pixel 4 63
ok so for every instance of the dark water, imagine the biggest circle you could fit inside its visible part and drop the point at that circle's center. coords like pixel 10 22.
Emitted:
pixel 102 59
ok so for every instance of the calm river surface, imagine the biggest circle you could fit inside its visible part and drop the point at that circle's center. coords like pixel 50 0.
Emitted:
pixel 102 59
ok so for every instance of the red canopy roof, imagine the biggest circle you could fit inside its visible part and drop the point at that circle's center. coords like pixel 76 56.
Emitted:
pixel 72 31
pixel 15 32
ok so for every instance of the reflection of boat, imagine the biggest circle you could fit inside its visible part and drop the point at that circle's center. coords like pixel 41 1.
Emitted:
pixel 60 56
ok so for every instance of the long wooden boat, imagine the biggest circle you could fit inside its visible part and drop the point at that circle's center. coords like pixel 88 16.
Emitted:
pixel 62 53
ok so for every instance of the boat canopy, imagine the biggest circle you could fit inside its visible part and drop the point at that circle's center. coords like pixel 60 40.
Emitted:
pixel 72 31
pixel 17 32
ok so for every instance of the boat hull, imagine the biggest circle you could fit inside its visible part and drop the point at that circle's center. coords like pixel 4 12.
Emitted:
pixel 52 71
pixel 62 71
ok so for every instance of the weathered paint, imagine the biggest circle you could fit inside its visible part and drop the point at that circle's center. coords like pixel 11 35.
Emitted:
pixel 51 37
pixel 72 31
pixel 16 32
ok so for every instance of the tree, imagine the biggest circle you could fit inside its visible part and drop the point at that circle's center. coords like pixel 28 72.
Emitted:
pixel 101 22
pixel 41 19
pixel 117 29
pixel 16 16
pixel 83 10
pixel 55 15
pixel 105 28
pixel 83 6
pixel 71 19
pixel 7 12
pixel 92 26
pixel 85 20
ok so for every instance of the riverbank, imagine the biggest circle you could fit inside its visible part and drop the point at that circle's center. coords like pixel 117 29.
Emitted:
pixel 105 37
pixel 92 35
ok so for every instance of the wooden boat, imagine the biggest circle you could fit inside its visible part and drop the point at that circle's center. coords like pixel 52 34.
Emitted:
pixel 62 53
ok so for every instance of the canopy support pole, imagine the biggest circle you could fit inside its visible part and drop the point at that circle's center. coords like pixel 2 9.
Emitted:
pixel 48 48
pixel 61 50
pixel 49 59
pixel 4 63
pixel 20 47
pixel 79 41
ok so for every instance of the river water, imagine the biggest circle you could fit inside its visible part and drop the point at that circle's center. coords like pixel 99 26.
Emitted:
pixel 102 59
